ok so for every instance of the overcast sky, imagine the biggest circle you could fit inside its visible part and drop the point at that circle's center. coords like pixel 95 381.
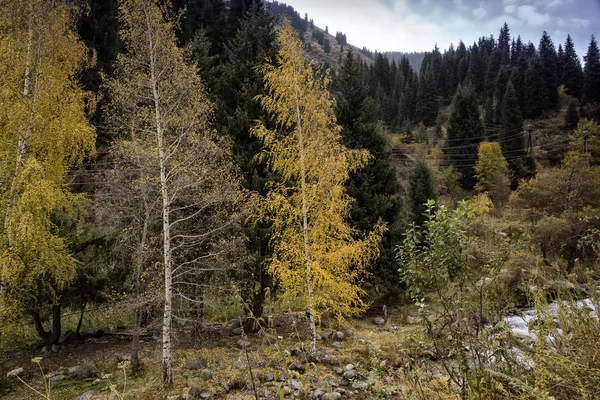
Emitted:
pixel 416 25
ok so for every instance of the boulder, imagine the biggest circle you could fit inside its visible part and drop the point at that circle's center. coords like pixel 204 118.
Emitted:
pixel 350 374
pixel 331 396
pixel 198 363
pixel 56 378
pixel 359 385
pixel 378 320
pixel 83 371
pixel 86 396
pixel 68 337
pixel 206 374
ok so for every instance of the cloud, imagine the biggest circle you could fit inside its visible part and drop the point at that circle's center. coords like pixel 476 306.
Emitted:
pixel 580 22
pixel 480 12
pixel 510 9
pixel 531 16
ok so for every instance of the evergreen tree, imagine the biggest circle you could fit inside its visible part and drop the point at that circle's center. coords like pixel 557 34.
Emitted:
pixel 502 79
pixel 427 102
pixel 511 126
pixel 572 76
pixel 560 62
pixel 493 67
pixel 547 55
pixel 504 43
pixel 421 188
pixel 374 187
pixel 238 85
pixel 465 132
pixel 572 116
pixel 533 90
pixel 591 74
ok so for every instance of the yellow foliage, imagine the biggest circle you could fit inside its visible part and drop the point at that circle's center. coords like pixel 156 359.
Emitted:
pixel 43 133
pixel 491 172
pixel 480 205
pixel 309 205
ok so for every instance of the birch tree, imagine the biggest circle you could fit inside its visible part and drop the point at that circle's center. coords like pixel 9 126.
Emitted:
pixel 317 256
pixel 160 104
pixel 43 133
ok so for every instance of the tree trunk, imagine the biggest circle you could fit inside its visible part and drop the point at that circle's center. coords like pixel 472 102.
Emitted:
pixel 307 252
pixel 56 324
pixel 199 313
pixel 135 339
pixel 258 302
pixel 39 327
pixel 167 372
pixel 80 320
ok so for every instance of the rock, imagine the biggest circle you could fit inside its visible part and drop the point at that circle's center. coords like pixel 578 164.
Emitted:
pixel 298 367
pixel 46 349
pixel 243 343
pixel 338 370
pixel 324 324
pixel 269 377
pixel 68 337
pixel 378 321
pixel 194 393
pixel 350 374
pixel 236 332
pixel 361 341
pixel 340 390
pixel 205 395
pixel 344 382
pixel 328 359
pixel 295 384
pixel 327 335
pixel 337 345
pixel 104 330
pixel 56 378
pixel 86 396
pixel 198 363
pixel 331 396
pixel 206 374
pixel 349 367
pixel 269 384
pixel 410 320
pixel 318 393
pixel 359 385
pixel 237 322
pixel 55 348
pixel 83 371
pixel 318 337
pixel 338 335
pixel 219 363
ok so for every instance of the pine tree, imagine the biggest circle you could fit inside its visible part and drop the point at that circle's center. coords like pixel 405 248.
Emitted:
pixel 421 188
pixel 511 126
pixel 533 90
pixel 547 56
pixel 374 187
pixel 560 63
pixel 237 87
pixel 591 74
pixel 317 255
pixel 427 103
pixel 464 133
pixel 572 76
pixel 504 43
pixel 572 116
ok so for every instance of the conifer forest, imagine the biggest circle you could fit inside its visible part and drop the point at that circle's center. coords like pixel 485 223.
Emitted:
pixel 225 199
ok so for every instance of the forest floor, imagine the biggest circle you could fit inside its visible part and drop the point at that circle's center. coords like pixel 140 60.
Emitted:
pixel 361 360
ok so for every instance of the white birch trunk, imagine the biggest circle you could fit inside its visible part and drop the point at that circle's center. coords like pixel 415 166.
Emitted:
pixel 167 357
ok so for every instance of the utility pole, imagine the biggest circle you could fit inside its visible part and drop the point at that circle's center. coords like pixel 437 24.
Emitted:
pixel 529 140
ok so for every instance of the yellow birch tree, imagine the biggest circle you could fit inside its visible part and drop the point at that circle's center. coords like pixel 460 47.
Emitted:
pixel 318 257
pixel 43 133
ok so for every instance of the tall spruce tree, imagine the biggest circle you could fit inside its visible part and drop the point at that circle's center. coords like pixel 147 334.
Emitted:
pixel 421 188
pixel 572 116
pixel 572 76
pixel 511 125
pixel 374 187
pixel 465 132
pixel 427 102
pixel 239 84
pixel 548 58
pixel 533 91
pixel 591 74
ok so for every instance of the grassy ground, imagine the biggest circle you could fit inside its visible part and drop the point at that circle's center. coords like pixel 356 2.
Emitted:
pixel 377 352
